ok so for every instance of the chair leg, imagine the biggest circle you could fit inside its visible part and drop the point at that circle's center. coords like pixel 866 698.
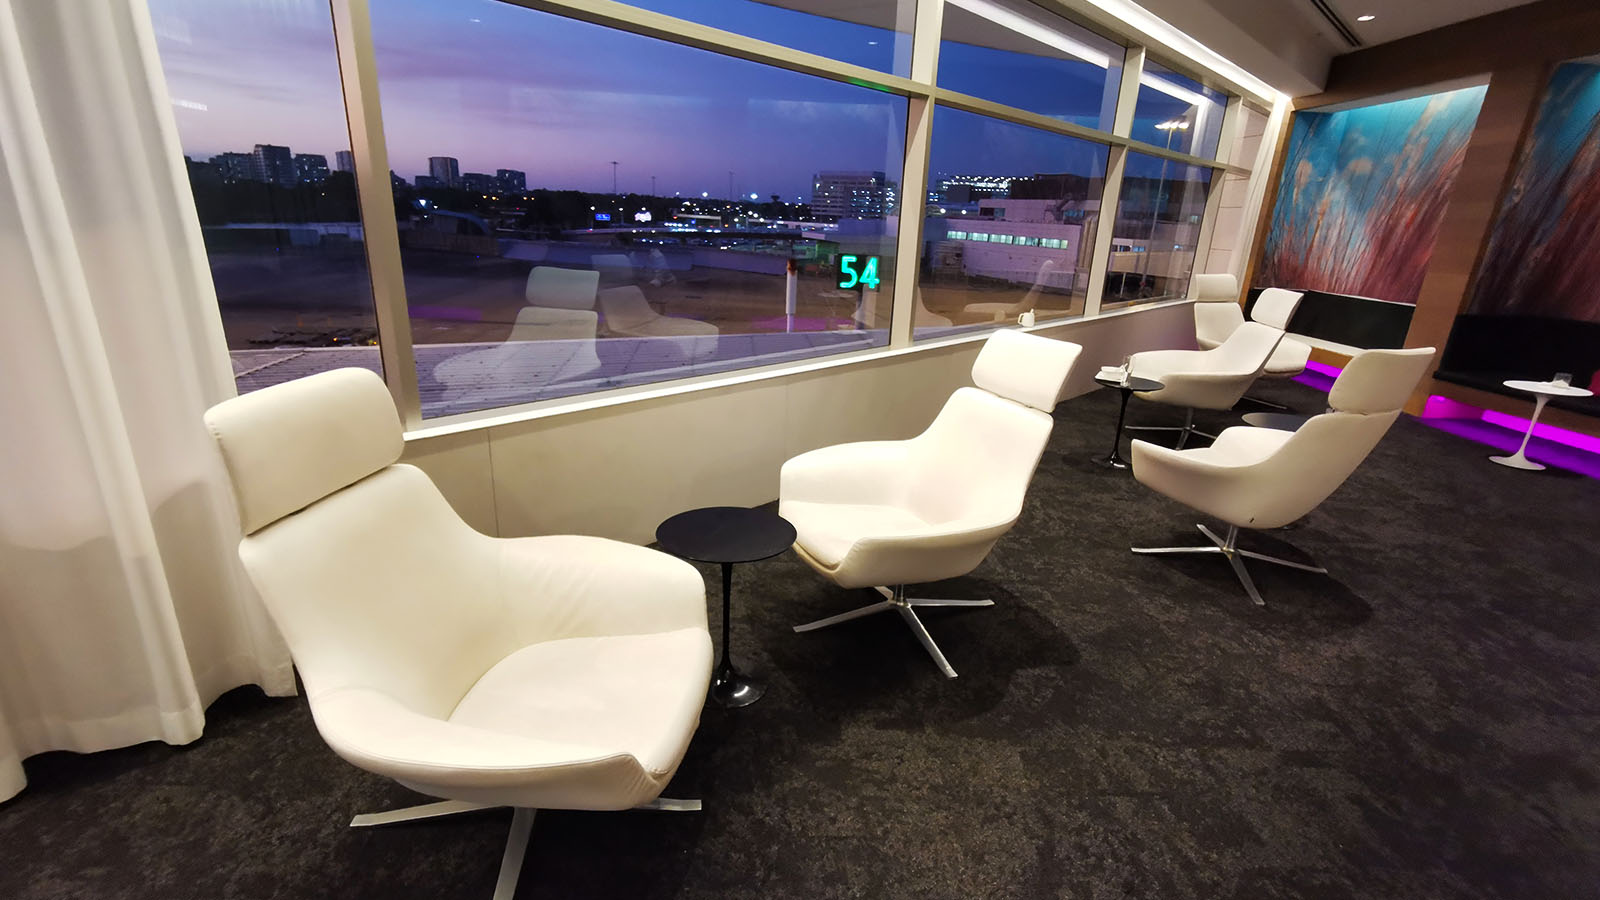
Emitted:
pixel 417 813
pixel 897 600
pixel 666 804
pixel 1184 430
pixel 867 610
pixel 922 634
pixel 505 887
pixel 1229 547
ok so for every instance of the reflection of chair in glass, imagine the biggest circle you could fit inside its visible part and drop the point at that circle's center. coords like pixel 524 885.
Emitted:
pixel 545 346
pixel 628 313
pixel 660 270
pixel 1267 478
pixel 866 314
pixel 557 288
pixel 560 672
pixel 1008 312
pixel 613 268
pixel 884 514
pixel 1205 379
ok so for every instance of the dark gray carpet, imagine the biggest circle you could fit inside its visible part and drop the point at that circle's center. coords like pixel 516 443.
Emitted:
pixel 1423 723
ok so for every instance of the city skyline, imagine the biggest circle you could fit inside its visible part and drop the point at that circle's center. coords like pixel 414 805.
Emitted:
pixel 499 86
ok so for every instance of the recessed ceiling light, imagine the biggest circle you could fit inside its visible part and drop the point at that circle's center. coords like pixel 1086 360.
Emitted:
pixel 1366 18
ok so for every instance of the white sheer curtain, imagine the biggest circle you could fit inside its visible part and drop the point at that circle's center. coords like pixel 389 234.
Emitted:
pixel 123 611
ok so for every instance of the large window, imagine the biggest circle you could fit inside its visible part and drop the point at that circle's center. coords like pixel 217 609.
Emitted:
pixel 1157 231
pixel 1010 223
pixel 588 197
pixel 255 89
pixel 583 208
pixel 1015 53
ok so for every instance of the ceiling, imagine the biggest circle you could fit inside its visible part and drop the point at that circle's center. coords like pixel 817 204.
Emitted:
pixel 1398 20
pixel 1288 43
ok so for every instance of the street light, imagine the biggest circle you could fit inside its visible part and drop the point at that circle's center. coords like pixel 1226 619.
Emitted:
pixel 1169 127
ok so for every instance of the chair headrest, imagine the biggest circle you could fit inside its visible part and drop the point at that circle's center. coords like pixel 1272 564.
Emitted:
pixel 1379 381
pixel 1275 307
pixel 1216 287
pixel 1027 368
pixel 289 445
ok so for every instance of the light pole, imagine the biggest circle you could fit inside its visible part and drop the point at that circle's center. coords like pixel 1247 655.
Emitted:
pixel 1169 127
pixel 613 176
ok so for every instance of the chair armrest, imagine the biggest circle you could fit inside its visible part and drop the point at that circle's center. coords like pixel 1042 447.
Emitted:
pixel 869 472
pixel 918 559
pixel 373 731
pixel 1204 390
pixel 564 586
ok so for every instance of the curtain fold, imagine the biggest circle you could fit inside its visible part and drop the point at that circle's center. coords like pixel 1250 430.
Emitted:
pixel 123 609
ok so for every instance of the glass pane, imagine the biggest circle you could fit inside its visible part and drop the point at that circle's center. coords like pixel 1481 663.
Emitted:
pixel 874 34
pixel 1156 232
pixel 1177 112
pixel 1013 52
pixel 255 88
pixel 1010 224
pixel 582 208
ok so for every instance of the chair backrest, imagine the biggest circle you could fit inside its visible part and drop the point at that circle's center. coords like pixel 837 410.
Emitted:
pixel 1275 307
pixel 371 577
pixel 1216 310
pixel 973 464
pixel 1327 449
pixel 1246 351
pixel 1217 287
pixel 556 288
pixel 1379 381
pixel 626 308
pixel 538 323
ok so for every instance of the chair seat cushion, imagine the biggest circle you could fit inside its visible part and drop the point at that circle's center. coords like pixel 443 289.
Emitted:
pixel 1241 446
pixel 1289 358
pixel 639 694
pixel 827 531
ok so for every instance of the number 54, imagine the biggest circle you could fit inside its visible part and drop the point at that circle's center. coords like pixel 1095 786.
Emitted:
pixel 849 277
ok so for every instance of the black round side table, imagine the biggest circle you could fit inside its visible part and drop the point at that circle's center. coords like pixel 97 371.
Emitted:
pixel 727 535
pixel 1134 383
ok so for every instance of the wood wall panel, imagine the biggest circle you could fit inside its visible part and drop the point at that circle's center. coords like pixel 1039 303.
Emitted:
pixel 1516 49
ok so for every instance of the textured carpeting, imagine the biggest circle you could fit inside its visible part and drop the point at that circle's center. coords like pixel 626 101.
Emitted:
pixel 1423 723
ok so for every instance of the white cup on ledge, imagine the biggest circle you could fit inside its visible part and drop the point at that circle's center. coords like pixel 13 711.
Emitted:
pixel 1026 319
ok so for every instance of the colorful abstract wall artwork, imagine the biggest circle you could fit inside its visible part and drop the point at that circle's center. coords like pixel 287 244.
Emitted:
pixel 1543 257
pixel 1363 193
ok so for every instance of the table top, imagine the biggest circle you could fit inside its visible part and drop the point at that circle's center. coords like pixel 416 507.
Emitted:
pixel 725 534
pixel 1280 421
pixel 1549 387
pixel 1135 383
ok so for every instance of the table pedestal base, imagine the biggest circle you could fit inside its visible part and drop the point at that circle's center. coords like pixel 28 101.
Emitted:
pixel 1517 461
pixel 731 689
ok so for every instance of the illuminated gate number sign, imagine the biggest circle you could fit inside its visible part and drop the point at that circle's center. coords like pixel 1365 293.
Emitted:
pixel 849 277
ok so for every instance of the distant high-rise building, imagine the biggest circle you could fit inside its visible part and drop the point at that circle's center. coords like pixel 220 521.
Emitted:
pixel 274 164
pixel 960 189
pixel 478 182
pixel 510 181
pixel 344 161
pixel 234 166
pixel 311 168
pixel 850 195
pixel 428 181
pixel 446 169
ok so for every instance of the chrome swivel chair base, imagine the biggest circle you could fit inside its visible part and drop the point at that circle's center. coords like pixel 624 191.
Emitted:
pixel 1184 430
pixel 505 886
pixel 896 599
pixel 1229 547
